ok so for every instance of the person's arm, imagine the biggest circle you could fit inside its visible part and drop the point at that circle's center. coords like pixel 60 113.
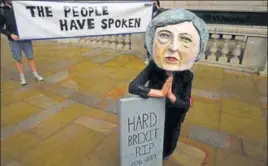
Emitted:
pixel 157 4
pixel 2 26
pixel 4 30
pixel 184 101
pixel 137 86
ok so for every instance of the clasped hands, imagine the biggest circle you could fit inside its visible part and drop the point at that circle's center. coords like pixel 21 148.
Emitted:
pixel 166 90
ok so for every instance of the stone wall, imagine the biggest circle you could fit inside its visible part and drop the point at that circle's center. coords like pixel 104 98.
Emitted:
pixel 237 47
pixel 257 6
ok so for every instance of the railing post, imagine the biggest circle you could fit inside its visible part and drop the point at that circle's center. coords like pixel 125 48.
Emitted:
pixel 264 71
pixel 214 48
pixel 236 53
pixel 255 53
pixel 225 49
pixel 137 45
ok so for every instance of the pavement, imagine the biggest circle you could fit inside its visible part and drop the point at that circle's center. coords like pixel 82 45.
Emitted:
pixel 70 119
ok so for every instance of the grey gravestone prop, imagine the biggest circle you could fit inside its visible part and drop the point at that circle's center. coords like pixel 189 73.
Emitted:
pixel 141 131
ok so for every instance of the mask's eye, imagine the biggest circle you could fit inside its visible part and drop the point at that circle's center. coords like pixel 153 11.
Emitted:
pixel 186 39
pixel 164 35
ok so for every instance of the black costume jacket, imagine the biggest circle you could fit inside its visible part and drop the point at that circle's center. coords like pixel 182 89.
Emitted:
pixel 181 87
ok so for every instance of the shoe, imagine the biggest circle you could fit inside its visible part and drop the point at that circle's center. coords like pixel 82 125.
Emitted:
pixel 38 78
pixel 165 158
pixel 146 61
pixel 23 82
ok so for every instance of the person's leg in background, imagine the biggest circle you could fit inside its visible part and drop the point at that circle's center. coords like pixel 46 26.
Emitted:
pixel 147 59
pixel 28 51
pixel 16 52
pixel 147 55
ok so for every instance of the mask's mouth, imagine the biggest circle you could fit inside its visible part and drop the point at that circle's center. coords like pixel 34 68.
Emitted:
pixel 171 60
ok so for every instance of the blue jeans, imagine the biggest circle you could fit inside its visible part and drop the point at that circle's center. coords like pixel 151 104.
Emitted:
pixel 17 47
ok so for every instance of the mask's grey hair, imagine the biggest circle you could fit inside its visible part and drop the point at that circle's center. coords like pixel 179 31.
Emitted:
pixel 176 16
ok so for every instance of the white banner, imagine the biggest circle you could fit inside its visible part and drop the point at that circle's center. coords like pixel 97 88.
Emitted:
pixel 50 19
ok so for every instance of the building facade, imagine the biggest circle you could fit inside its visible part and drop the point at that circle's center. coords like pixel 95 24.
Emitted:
pixel 238 34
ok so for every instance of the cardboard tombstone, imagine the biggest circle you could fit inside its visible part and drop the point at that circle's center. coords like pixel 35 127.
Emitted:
pixel 141 131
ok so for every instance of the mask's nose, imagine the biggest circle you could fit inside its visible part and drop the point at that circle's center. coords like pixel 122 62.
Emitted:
pixel 173 49
pixel 174 45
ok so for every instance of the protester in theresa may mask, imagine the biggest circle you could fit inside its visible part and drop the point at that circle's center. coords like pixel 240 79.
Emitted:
pixel 175 39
